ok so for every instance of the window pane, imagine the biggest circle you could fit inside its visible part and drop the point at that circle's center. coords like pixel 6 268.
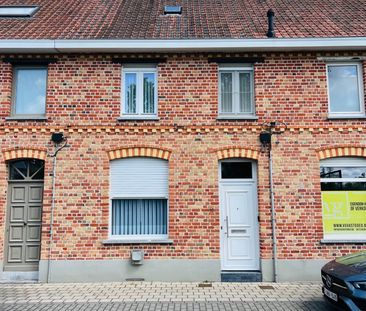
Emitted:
pixel 343 172
pixel 338 186
pixel 139 217
pixel 226 92
pixel 149 93
pixel 18 170
pixel 343 88
pixel 236 170
pixel 30 91
pixel 245 92
pixel 130 93
pixel 36 169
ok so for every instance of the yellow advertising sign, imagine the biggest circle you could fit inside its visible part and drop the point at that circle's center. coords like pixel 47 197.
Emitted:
pixel 344 212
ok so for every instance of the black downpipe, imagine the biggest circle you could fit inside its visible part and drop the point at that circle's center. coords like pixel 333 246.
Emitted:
pixel 271 32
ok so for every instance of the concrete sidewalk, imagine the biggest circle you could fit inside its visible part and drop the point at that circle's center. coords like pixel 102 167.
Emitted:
pixel 162 296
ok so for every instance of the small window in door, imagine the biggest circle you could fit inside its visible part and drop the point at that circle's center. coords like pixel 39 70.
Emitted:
pixel 27 169
pixel 236 170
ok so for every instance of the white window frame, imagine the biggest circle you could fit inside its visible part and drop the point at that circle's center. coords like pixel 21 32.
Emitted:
pixel 235 70
pixel 346 114
pixel 14 92
pixel 235 180
pixel 143 238
pixel 139 71
pixel 343 162
pixel 137 237
pixel 18 10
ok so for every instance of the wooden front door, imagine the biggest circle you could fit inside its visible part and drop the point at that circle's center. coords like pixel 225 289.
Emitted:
pixel 24 215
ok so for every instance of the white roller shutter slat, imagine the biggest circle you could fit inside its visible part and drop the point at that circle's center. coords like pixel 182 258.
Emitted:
pixel 139 178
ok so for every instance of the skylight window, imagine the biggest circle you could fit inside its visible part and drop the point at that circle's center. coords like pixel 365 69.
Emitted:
pixel 18 11
pixel 173 9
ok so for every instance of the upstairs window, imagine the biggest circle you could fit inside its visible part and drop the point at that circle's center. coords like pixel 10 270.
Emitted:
pixel 29 91
pixel 236 91
pixel 139 92
pixel 345 90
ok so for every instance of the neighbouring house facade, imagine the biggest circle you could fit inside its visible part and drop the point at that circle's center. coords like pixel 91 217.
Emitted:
pixel 178 145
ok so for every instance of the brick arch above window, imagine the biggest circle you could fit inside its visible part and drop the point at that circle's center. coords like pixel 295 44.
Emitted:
pixel 21 153
pixel 139 152
pixel 228 153
pixel 341 151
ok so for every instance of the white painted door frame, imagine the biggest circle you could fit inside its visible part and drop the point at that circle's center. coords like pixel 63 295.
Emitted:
pixel 234 233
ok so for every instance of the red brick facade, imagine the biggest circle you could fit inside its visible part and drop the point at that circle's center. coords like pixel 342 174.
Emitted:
pixel 83 101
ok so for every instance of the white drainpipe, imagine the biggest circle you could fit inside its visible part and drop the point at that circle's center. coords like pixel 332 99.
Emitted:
pixel 54 156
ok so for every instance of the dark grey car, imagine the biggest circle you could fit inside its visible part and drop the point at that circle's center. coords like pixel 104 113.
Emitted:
pixel 344 281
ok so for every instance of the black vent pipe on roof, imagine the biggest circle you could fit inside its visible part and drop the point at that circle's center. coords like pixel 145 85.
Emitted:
pixel 271 32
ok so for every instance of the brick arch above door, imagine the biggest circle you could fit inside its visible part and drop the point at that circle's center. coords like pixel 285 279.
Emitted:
pixel 129 152
pixel 234 152
pixel 21 153
pixel 341 151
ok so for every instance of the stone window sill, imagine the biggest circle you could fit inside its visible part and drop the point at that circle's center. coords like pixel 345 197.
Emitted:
pixel 345 117
pixel 237 117
pixel 134 241
pixel 137 118
pixel 356 241
pixel 25 118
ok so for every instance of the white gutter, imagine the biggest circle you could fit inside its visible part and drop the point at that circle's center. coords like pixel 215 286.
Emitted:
pixel 193 45
pixel 19 46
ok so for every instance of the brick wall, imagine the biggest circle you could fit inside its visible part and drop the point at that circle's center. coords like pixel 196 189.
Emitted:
pixel 83 101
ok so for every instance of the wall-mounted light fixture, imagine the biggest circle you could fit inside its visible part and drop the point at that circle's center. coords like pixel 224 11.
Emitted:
pixel 265 138
pixel 57 138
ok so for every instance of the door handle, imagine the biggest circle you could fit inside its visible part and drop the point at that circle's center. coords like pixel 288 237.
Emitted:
pixel 227 226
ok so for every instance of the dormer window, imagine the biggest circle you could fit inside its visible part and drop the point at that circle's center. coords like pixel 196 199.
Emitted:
pixel 173 9
pixel 18 11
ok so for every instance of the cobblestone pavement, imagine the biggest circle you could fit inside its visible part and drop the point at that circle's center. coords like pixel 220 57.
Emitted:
pixel 146 296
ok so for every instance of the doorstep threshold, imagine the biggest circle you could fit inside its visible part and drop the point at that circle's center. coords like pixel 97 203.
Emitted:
pixel 19 277
pixel 241 276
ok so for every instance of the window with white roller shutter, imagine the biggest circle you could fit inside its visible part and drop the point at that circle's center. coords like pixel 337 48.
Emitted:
pixel 139 198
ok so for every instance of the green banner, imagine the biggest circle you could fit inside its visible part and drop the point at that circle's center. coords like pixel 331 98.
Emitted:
pixel 344 212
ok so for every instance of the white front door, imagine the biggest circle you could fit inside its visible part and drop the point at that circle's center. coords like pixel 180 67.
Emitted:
pixel 239 225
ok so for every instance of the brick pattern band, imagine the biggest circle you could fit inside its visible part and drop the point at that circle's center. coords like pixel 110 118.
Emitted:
pixel 342 152
pixel 29 153
pixel 139 152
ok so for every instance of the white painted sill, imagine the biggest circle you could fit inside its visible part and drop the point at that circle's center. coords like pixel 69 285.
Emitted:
pixel 236 117
pixel 26 118
pixel 356 241
pixel 136 241
pixel 345 117
pixel 138 118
